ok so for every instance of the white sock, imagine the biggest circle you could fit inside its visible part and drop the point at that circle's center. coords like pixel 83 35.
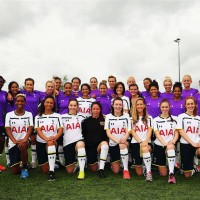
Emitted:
pixel 51 150
pixel 171 160
pixel 124 157
pixel 196 161
pixel 61 154
pixel 103 156
pixel 33 153
pixel 7 155
pixel 147 161
pixel 81 158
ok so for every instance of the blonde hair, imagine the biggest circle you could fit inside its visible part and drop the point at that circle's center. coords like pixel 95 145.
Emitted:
pixel 187 76
pixel 167 79
pixel 54 85
pixel 131 77
pixel 134 113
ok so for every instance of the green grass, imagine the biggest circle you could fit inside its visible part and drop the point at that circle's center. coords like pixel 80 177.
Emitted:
pixel 112 187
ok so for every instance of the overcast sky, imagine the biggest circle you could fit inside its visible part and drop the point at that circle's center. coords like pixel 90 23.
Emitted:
pixel 88 38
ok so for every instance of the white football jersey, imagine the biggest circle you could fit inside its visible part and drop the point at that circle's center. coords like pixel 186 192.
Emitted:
pixel 166 128
pixel 191 126
pixel 118 126
pixel 49 125
pixel 72 128
pixel 19 125
pixel 126 102
pixel 85 106
pixel 141 129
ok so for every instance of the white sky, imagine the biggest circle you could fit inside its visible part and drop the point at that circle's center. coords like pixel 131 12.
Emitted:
pixel 85 38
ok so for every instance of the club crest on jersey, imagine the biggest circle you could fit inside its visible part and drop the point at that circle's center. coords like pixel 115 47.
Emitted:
pixel 118 131
pixel 47 128
pixel 73 126
pixel 18 129
pixel 166 132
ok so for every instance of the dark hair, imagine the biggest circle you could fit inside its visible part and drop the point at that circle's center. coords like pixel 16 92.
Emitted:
pixel 21 95
pixel 148 79
pixel 29 79
pixel 74 99
pixel 166 101
pixel 68 83
pixel 1 77
pixel 112 108
pixel 179 85
pixel 77 79
pixel 132 85
pixel 100 114
pixel 10 92
pixel 116 85
pixel 57 78
pixel 154 83
pixel 87 85
pixel 102 83
pixel 41 108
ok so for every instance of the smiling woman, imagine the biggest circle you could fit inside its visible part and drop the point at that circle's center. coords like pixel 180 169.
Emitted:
pixel 19 126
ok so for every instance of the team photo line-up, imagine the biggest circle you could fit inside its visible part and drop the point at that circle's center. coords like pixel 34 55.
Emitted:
pixel 99 125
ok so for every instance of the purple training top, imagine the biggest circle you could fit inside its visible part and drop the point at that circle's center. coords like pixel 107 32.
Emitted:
pixel 10 106
pixel 166 95
pixel 32 101
pixel 197 97
pixel 110 92
pixel 176 107
pixel 127 94
pixel 146 94
pixel 105 102
pixel 190 92
pixel 62 103
pixel 153 106
pixel 96 92
pixel 77 92
pixel 3 100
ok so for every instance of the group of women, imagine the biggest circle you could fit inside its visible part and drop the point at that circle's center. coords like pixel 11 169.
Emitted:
pixel 85 126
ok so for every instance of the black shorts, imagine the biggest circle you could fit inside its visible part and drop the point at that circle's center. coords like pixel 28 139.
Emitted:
pixel 60 140
pixel 2 131
pixel 135 153
pixel 42 155
pixel 114 153
pixel 187 156
pixel 70 153
pixel 92 154
pixel 14 154
pixel 159 155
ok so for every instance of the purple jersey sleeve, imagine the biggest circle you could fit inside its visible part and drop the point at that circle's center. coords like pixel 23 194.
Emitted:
pixel 3 102
pixel 62 103
pixel 94 92
pixel 190 92
pixel 197 97
pixel 105 102
pixel 153 106
pixel 176 107
pixel 166 95
pixel 110 92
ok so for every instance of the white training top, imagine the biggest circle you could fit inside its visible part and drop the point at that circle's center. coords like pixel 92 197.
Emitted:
pixel 191 126
pixel 85 106
pixel 126 102
pixel 72 128
pixel 19 125
pixel 166 128
pixel 141 129
pixel 118 126
pixel 49 125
